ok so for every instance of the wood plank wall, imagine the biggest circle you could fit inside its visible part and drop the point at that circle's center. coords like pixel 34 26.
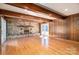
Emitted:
pixel 58 28
pixel 70 26
pixel 73 27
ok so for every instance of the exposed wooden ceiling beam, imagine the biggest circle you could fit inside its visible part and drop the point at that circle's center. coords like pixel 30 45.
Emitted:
pixel 36 8
pixel 22 16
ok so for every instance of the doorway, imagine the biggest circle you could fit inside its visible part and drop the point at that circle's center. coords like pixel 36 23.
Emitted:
pixel 45 34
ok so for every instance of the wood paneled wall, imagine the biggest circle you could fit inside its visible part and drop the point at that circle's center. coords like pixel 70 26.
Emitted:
pixel 73 27
pixel 58 28
pixel 68 28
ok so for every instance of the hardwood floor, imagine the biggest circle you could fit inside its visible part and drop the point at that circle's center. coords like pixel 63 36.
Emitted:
pixel 32 46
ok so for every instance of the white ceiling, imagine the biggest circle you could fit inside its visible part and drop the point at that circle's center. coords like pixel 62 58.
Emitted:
pixel 65 9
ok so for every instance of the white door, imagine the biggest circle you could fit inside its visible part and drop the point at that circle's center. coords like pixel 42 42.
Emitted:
pixel 45 34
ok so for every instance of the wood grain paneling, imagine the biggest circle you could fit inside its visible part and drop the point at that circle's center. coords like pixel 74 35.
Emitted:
pixel 58 28
pixel 73 27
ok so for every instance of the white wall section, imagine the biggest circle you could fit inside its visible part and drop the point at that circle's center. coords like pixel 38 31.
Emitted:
pixel 3 30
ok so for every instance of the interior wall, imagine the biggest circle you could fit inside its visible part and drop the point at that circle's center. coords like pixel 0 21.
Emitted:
pixel 58 28
pixel 51 28
pixel 73 27
pixel 67 28
pixel 14 29
pixel 3 30
pixel 35 28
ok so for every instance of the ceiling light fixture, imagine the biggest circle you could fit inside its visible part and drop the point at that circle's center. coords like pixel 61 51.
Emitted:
pixel 65 9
